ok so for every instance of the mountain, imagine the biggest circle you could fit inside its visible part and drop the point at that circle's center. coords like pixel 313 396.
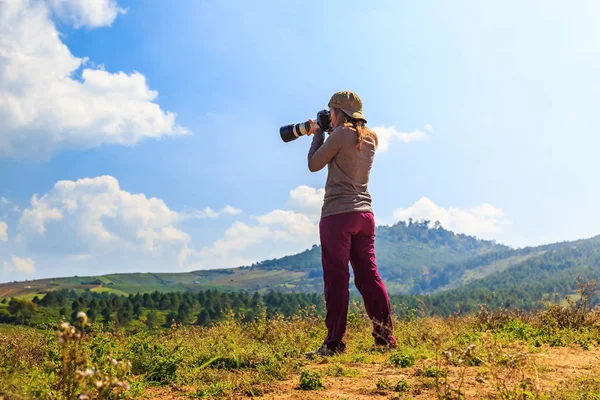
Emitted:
pixel 413 258
pixel 542 275
pixel 405 254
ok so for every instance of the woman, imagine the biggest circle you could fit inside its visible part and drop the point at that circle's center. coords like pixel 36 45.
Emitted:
pixel 347 226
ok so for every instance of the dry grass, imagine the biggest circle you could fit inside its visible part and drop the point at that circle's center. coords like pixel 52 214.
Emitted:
pixel 489 355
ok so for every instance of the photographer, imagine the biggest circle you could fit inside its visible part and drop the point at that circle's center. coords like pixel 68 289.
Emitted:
pixel 347 226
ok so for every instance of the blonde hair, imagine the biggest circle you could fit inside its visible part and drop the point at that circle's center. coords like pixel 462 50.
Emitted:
pixel 358 124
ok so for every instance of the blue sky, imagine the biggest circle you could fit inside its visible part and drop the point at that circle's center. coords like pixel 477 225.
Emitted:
pixel 148 132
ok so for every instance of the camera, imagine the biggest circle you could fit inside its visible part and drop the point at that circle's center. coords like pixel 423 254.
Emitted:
pixel 294 131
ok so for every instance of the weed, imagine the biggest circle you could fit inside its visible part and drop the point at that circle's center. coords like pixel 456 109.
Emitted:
pixel 236 359
pixel 337 371
pixel 433 372
pixel 383 384
pixel 74 380
pixel 310 380
pixel 402 360
pixel 401 386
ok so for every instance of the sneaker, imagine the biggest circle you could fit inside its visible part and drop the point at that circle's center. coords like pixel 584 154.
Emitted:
pixel 324 351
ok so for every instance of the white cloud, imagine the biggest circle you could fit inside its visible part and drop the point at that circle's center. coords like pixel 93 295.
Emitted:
pixel 49 102
pixel 307 200
pixel 271 235
pixel 208 212
pixel 8 206
pixel 481 220
pixel 95 216
pixel 3 231
pixel 17 264
pixel 230 210
pixel 387 134
pixel 89 13
pixel 93 220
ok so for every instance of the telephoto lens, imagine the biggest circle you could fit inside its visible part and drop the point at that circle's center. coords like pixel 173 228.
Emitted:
pixel 294 131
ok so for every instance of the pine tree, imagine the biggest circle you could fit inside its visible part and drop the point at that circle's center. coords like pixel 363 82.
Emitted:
pixel 171 317
pixel 203 318
pixel 106 314
pixel 153 319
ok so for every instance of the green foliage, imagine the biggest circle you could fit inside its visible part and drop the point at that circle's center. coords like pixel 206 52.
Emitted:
pixel 22 310
pixel 404 251
pixel 383 384
pixel 156 361
pixel 402 360
pixel 310 380
pixel 585 388
pixel 210 391
pixel 432 372
pixel 401 386
pixel 236 359
pixel 74 377
pixel 153 319
pixel 337 371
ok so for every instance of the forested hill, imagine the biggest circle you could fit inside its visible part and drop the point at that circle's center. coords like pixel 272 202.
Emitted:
pixel 413 258
pixel 405 253
pixel 545 277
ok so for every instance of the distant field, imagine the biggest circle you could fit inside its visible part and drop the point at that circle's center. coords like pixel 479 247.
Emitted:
pixel 102 289
pixel 124 284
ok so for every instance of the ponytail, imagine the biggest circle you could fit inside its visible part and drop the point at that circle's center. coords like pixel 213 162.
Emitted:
pixel 359 125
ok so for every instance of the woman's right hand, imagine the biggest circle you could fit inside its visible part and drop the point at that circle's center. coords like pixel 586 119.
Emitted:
pixel 313 127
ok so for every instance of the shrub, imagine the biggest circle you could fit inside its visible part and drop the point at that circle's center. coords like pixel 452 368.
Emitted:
pixel 402 360
pixel 383 384
pixel 310 380
pixel 156 361
pixel 75 378
pixel 401 386
pixel 433 372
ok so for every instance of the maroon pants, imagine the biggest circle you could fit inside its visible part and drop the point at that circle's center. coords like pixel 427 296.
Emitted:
pixel 349 237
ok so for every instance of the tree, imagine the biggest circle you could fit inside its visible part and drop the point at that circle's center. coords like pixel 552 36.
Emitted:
pixel 22 309
pixel 256 300
pixel 137 310
pixel 171 317
pixel 153 319
pixel 49 300
pixel 125 313
pixel 147 301
pixel 92 314
pixel 106 314
pixel 203 318
pixel 183 314
pixel 165 303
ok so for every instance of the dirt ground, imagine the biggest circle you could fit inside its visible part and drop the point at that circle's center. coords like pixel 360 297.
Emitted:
pixel 555 368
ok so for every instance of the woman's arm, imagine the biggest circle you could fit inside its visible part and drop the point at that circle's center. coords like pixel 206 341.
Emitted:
pixel 321 153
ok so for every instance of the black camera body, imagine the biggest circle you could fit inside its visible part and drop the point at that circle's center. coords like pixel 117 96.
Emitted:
pixel 292 132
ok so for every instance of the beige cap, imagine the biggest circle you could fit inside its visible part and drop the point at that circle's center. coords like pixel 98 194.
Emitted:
pixel 349 103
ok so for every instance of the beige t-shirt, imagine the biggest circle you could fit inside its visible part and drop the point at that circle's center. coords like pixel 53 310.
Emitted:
pixel 348 170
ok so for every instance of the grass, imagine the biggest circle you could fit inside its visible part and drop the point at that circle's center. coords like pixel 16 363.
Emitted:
pixel 132 283
pixel 104 289
pixel 435 358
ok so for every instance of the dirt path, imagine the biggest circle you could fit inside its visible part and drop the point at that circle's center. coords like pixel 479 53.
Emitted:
pixel 556 367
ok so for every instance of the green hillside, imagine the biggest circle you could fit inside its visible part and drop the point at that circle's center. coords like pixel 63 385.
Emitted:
pixel 413 258
pixel 405 253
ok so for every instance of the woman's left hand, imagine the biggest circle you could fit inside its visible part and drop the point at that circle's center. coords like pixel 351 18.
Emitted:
pixel 313 127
